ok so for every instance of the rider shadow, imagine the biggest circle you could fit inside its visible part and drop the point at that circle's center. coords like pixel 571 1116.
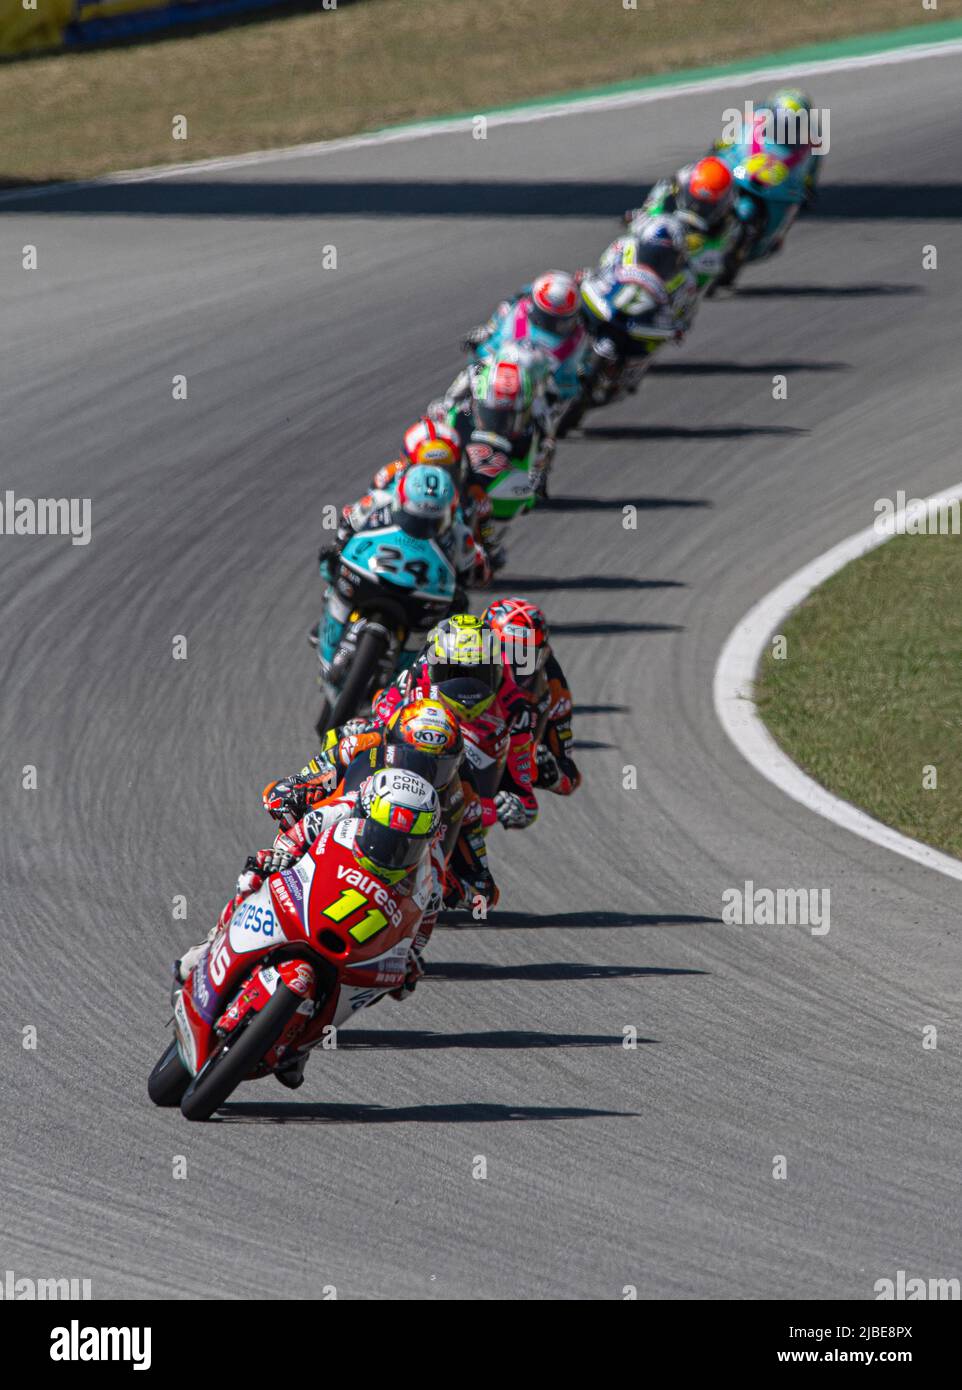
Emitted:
pixel 613 627
pixel 465 971
pixel 887 200
pixel 612 504
pixel 867 291
pixel 713 368
pixel 600 919
pixel 689 432
pixel 545 583
pixel 353 1040
pixel 288 1112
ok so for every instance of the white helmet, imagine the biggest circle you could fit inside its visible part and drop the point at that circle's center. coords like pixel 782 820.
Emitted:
pixel 401 814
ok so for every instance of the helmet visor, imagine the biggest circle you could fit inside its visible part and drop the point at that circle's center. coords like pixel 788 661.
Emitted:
pixel 562 326
pixel 387 853
pixel 507 421
pixel 467 694
pixel 423 526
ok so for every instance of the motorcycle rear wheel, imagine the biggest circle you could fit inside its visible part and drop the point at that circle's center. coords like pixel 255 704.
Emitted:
pixel 224 1072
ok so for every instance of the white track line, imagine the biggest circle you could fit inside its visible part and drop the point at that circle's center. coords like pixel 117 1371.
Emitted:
pixel 520 116
pixel 735 706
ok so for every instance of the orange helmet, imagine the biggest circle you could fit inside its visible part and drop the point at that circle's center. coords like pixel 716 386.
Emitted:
pixel 706 191
pixel 430 441
pixel 523 630
pixel 424 737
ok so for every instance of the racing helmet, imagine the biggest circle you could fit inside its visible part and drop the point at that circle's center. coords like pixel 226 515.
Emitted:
pixel 790 109
pixel 502 394
pixel 662 247
pixel 462 660
pixel 523 630
pixel 400 815
pixel 432 441
pixel 706 192
pixel 555 303
pixel 425 737
pixel 425 501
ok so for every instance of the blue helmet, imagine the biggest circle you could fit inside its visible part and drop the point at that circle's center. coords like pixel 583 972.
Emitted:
pixel 425 501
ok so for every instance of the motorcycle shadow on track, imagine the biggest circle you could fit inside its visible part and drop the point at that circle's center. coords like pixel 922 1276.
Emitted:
pixel 468 1113
pixel 546 584
pixel 618 504
pixel 867 291
pixel 694 432
pixel 505 1040
pixel 473 971
pixel 720 368
pixel 612 628
pixel 527 920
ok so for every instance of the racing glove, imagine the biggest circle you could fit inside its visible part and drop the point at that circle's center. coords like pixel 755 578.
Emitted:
pixel 415 972
pixel 549 773
pixel 510 811
pixel 475 337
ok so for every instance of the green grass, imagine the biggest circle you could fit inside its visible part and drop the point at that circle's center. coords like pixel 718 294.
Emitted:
pixel 335 72
pixel 870 691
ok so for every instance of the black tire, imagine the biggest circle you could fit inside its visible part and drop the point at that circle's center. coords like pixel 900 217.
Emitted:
pixel 360 678
pixel 323 722
pixel 169 1079
pixel 220 1077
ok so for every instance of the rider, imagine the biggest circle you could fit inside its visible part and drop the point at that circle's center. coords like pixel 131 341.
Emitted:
pixel 546 313
pixel 536 691
pixel 426 441
pixel 500 731
pixel 424 503
pixel 461 664
pixel 790 114
pixel 702 197
pixel 501 405
pixel 660 248
pixel 421 736
pixel 782 125
pixel 394 836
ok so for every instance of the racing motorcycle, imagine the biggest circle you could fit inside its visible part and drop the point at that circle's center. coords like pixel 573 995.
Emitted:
pixel 770 197
pixel 389 589
pixel 314 945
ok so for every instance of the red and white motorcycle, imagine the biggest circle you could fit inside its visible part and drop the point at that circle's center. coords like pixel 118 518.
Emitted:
pixel 313 945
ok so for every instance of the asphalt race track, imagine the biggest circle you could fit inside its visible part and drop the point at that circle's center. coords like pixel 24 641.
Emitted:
pixel 606 1166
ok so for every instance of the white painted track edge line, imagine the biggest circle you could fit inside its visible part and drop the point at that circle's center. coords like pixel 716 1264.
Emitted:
pixel 733 694
pixel 548 110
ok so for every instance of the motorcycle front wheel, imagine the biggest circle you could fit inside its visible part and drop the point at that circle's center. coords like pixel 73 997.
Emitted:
pixel 371 651
pixel 224 1072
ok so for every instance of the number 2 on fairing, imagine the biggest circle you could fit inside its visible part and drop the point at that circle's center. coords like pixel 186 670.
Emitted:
pixel 388 561
pixel 351 901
